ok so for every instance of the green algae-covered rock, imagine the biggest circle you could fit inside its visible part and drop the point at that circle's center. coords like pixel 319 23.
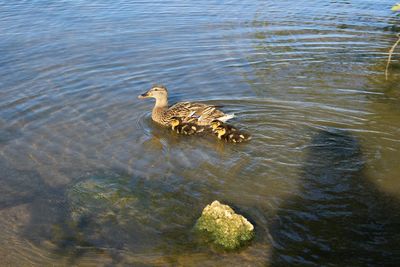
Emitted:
pixel 226 228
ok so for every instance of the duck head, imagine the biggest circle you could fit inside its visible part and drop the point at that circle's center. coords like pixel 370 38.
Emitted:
pixel 157 92
pixel 220 130
pixel 215 123
pixel 175 121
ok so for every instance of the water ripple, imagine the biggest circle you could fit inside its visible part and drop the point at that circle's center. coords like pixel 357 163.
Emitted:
pixel 304 79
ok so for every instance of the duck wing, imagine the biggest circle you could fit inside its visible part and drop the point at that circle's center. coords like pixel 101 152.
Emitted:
pixel 202 113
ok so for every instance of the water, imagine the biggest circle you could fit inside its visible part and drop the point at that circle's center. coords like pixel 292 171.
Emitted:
pixel 319 180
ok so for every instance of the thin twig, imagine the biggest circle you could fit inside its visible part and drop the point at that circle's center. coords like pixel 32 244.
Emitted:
pixel 390 55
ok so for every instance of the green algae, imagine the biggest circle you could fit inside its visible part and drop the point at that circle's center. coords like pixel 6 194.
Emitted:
pixel 225 228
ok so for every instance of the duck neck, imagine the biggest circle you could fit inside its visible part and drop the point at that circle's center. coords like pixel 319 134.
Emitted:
pixel 161 103
pixel 159 108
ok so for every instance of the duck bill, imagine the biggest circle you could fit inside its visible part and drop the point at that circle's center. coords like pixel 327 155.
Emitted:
pixel 145 95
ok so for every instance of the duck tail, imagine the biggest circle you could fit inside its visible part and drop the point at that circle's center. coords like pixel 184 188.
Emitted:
pixel 226 117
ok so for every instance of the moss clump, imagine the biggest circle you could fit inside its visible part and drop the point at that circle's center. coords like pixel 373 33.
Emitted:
pixel 226 228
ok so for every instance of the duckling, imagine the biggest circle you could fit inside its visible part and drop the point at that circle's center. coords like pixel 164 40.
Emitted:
pixel 187 128
pixel 216 123
pixel 231 136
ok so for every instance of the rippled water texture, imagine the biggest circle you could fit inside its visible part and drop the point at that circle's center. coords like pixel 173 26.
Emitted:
pixel 88 179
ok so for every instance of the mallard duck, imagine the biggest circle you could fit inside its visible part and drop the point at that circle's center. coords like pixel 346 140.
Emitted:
pixel 231 136
pixel 187 128
pixel 216 123
pixel 163 114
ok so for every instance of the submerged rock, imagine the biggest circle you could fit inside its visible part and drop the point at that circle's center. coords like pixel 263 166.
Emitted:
pixel 226 228
pixel 103 200
pixel 116 210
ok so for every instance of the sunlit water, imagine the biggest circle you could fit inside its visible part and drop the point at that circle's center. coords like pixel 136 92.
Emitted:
pixel 319 180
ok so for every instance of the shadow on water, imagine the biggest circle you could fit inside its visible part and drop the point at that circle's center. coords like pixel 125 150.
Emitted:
pixel 338 217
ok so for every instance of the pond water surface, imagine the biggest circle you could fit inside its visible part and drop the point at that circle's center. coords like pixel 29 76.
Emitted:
pixel 86 178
